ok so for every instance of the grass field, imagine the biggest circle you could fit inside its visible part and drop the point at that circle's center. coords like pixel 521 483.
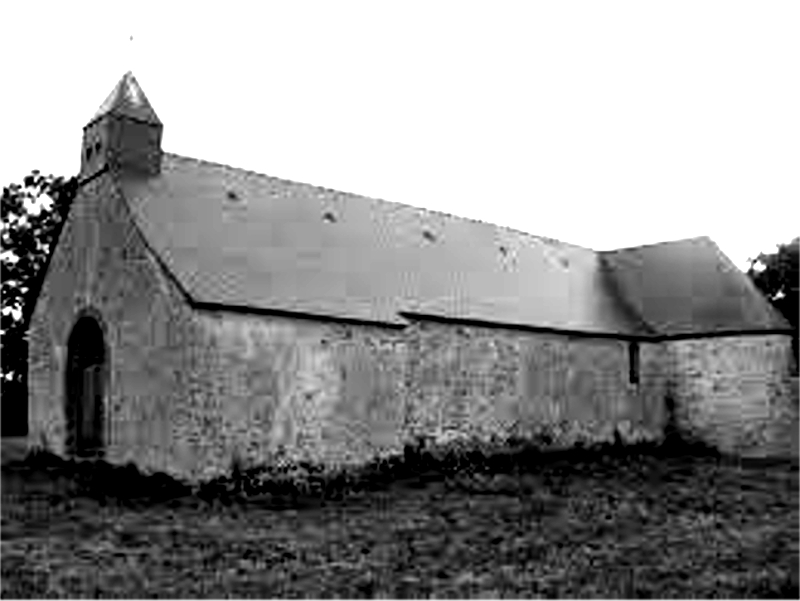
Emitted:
pixel 604 526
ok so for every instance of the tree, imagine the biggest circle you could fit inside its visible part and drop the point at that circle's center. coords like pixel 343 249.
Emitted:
pixel 31 218
pixel 776 275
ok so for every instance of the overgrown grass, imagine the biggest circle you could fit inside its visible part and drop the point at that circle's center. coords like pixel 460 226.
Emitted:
pixel 463 519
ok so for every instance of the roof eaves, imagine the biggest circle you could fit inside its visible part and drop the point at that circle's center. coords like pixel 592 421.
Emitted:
pixel 723 333
pixel 420 316
pixel 123 115
pixel 215 307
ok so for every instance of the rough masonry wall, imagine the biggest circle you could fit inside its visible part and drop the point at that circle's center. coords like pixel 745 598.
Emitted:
pixel 336 392
pixel 63 290
pixel 282 383
pixel 735 392
pixel 489 381
pixel 101 263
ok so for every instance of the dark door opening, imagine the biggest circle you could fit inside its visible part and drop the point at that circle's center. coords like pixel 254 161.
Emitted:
pixel 85 388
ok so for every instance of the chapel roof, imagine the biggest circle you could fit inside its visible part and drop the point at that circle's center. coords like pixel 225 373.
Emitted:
pixel 237 238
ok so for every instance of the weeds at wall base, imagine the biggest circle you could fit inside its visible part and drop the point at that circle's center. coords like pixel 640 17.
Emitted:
pixel 284 483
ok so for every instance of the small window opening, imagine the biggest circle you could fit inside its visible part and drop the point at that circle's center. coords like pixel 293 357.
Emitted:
pixel 564 261
pixel 232 195
pixel 633 362
pixel 88 152
pixel 428 235
pixel 97 146
pixel 329 217
pixel 503 251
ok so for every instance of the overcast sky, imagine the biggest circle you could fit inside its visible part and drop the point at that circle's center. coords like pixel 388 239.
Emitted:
pixel 604 124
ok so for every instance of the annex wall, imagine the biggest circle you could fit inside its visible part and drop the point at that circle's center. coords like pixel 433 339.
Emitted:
pixel 343 393
pixel 735 392
pixel 102 263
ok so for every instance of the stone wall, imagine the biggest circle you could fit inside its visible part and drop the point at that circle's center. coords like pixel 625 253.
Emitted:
pixel 279 382
pixel 49 328
pixel 735 392
pixel 102 264
pixel 495 380
pixel 343 393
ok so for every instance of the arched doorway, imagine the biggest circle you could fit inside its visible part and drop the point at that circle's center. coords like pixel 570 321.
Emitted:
pixel 86 379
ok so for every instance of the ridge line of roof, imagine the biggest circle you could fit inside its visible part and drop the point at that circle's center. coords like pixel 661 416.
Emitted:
pixel 651 244
pixel 545 239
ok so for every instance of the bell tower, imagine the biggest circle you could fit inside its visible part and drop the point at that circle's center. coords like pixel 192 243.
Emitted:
pixel 124 136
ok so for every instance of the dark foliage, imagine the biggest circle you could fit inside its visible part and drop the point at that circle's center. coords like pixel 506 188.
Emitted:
pixel 776 275
pixel 27 239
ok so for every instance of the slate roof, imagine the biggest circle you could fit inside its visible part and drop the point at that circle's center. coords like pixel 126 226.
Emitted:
pixel 127 99
pixel 238 238
pixel 690 287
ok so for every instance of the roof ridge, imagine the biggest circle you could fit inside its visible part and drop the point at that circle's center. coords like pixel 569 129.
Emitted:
pixel 545 239
pixel 651 244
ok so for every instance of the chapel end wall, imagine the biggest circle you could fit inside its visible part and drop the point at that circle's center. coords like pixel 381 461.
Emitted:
pixel 48 330
pixel 101 262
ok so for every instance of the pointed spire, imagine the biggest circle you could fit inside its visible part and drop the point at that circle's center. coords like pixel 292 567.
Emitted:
pixel 124 136
pixel 127 99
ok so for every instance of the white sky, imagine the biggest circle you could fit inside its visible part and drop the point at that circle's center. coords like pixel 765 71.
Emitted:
pixel 605 124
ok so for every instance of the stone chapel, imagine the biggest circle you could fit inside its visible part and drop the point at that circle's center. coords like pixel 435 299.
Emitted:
pixel 192 312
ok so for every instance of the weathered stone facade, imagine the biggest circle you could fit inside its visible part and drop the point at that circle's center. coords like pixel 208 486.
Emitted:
pixel 735 392
pixel 102 266
pixel 343 393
